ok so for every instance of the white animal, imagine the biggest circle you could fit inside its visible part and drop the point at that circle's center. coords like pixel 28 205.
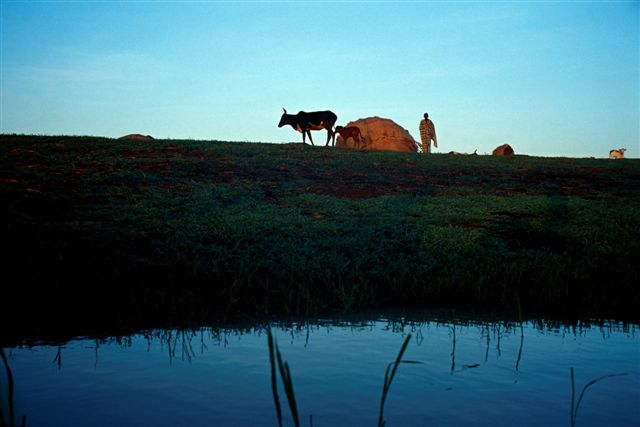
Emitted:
pixel 617 154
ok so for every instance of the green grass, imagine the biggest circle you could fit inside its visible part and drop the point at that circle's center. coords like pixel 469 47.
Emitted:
pixel 107 233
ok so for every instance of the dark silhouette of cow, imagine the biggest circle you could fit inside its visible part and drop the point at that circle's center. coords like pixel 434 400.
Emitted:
pixel 306 122
pixel 350 132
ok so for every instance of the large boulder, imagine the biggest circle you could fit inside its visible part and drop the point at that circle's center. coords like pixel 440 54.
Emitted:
pixel 503 150
pixel 137 136
pixel 380 134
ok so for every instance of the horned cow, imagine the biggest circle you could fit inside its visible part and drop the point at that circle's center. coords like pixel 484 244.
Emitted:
pixel 617 154
pixel 305 122
pixel 350 132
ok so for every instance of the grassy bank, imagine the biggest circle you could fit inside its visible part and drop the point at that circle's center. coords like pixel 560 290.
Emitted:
pixel 105 232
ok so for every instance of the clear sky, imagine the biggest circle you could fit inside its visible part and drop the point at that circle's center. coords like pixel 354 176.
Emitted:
pixel 551 78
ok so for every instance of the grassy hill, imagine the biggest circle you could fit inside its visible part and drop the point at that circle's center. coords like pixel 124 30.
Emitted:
pixel 103 232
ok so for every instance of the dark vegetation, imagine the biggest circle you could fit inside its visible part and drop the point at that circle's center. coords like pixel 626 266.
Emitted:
pixel 100 233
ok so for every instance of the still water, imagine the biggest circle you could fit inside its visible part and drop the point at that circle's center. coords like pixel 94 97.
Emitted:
pixel 469 374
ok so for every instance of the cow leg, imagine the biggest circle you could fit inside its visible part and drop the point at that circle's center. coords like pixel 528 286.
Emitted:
pixel 310 139
pixel 330 137
pixel 333 134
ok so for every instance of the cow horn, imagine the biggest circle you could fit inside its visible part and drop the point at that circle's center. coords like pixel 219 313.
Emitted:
pixel 285 111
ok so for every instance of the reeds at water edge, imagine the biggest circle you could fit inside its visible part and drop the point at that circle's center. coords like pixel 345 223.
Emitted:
pixel 275 357
pixel 11 420
pixel 575 406
pixel 389 375
pixel 285 374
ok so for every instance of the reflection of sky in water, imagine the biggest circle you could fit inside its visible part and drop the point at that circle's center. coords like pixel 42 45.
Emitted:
pixel 497 375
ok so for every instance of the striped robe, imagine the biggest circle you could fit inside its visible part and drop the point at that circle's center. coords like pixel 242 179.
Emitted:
pixel 427 133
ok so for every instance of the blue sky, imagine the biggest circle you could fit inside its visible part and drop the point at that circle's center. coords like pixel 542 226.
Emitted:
pixel 550 78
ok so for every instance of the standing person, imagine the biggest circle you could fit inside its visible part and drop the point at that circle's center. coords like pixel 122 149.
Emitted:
pixel 427 133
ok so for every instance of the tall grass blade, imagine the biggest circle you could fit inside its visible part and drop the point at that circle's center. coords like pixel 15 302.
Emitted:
pixel 10 389
pixel 521 345
pixel 274 380
pixel 574 410
pixel 573 399
pixel 287 381
pixel 389 374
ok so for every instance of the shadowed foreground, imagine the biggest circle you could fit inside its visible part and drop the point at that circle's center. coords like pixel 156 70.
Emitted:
pixel 104 233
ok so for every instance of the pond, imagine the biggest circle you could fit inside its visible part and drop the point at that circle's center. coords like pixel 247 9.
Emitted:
pixel 467 373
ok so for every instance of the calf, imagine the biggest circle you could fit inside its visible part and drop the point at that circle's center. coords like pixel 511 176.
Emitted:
pixel 350 132
pixel 617 154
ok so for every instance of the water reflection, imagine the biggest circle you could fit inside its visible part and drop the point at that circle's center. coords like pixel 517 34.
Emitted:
pixel 470 373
